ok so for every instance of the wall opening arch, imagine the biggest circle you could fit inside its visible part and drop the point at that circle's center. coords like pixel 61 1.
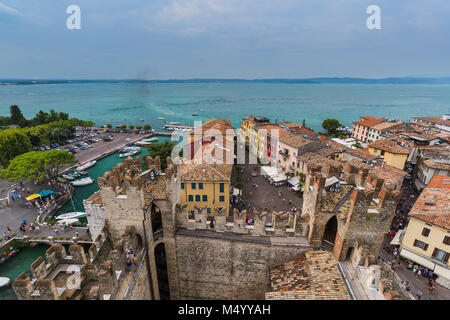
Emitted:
pixel 329 235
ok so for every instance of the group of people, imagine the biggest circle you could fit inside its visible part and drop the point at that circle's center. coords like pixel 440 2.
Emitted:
pixel 131 259
pixel 31 227
pixel 8 234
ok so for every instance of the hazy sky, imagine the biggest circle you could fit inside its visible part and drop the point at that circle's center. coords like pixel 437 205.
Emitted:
pixel 162 39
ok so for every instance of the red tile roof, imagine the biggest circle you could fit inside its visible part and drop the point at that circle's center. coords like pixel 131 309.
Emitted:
pixel 433 204
pixel 392 146
pixel 370 122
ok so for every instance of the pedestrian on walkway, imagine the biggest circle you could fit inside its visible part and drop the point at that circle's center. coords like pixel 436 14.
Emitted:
pixel 419 294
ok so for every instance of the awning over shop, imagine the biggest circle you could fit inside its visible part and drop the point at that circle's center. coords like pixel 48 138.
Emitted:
pixel 295 183
pixel 416 258
pixel 279 178
pixel 44 193
pixel 33 196
pixel 442 272
pixel 398 237
pixel 269 171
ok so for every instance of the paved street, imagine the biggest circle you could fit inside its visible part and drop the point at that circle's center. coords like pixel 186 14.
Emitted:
pixel 416 283
pixel 264 195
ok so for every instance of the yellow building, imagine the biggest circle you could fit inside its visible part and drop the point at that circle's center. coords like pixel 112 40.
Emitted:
pixel 426 240
pixel 394 152
pixel 249 130
pixel 206 185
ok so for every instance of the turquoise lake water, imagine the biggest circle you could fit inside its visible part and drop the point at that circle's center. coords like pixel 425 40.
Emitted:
pixel 124 102
pixel 16 265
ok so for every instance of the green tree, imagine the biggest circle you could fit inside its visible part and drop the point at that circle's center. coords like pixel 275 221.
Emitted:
pixel 358 145
pixel 13 142
pixel 131 126
pixel 17 116
pixel 5 121
pixel 37 166
pixel 109 125
pixel 139 127
pixel 147 127
pixel 162 150
pixel 331 125
pixel 41 118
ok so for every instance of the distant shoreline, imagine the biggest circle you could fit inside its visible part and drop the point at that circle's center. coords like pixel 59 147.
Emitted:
pixel 337 80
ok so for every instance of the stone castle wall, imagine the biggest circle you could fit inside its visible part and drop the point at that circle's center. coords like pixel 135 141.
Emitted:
pixel 227 269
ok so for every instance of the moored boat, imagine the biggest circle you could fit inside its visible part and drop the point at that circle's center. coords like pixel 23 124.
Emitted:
pixel 160 118
pixel 86 165
pixel 68 177
pixel 68 221
pixel 151 139
pixel 4 281
pixel 10 254
pixel 129 154
pixel 195 114
pixel 71 215
pixel 82 182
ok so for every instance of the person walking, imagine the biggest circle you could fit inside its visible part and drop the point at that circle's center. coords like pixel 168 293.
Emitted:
pixel 419 294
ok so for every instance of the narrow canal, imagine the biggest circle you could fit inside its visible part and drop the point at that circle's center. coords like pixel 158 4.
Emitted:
pixel 22 261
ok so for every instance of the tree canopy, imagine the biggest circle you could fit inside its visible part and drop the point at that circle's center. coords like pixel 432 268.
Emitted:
pixel 13 142
pixel 17 116
pixel 163 150
pixel 331 125
pixel 37 166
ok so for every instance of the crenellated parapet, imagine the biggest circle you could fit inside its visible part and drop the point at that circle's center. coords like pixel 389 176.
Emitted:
pixel 77 275
pixel 262 223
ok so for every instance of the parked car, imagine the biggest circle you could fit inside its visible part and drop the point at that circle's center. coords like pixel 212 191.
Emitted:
pixel 48 148
pixel 42 148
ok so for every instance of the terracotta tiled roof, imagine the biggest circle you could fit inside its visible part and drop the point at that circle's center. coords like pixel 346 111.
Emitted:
pixel 437 120
pixel 433 204
pixel 416 135
pixel 391 146
pixel 370 122
pixel 312 276
pixel 213 124
pixel 385 125
pixel 437 165
pixel 361 154
pixel 206 172
pixel 294 141
pixel 391 175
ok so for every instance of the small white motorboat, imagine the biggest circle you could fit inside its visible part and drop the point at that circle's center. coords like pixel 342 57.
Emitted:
pixel 174 123
pixel 129 154
pixel 202 110
pixel 68 177
pixel 151 139
pixel 195 114
pixel 68 221
pixel 86 165
pixel 4 282
pixel 71 215
pixel 82 182
pixel 160 118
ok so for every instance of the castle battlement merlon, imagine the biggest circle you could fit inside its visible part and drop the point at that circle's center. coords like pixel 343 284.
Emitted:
pixel 281 224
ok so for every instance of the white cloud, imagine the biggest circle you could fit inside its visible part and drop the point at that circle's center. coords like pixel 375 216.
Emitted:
pixel 4 8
